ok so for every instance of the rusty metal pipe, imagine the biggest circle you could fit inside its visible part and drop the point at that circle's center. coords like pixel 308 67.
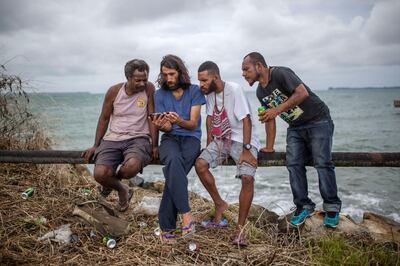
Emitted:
pixel 342 159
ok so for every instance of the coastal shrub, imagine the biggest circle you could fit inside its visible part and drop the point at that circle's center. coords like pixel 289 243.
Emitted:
pixel 19 128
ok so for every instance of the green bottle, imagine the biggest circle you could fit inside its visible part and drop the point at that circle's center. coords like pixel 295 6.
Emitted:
pixel 261 109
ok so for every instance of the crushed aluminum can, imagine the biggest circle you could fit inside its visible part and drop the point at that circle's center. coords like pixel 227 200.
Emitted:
pixel 28 193
pixel 192 247
pixel 86 191
pixel 109 242
pixel 157 231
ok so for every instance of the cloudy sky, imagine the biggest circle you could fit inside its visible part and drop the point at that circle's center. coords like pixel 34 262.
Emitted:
pixel 84 45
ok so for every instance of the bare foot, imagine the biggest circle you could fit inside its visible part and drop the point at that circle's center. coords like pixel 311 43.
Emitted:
pixel 186 219
pixel 219 210
pixel 124 197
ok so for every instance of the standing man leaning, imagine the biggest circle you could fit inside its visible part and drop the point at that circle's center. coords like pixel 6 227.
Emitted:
pixel 178 103
pixel 309 135
pixel 230 132
pixel 125 111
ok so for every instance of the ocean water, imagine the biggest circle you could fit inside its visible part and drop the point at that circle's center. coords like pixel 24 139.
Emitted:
pixel 365 121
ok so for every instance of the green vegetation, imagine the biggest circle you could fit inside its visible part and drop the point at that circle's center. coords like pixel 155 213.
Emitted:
pixel 336 250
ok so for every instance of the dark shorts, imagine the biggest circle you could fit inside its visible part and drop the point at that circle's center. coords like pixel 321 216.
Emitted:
pixel 113 153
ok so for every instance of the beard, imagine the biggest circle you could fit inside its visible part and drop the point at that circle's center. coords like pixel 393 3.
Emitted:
pixel 257 78
pixel 172 87
pixel 212 88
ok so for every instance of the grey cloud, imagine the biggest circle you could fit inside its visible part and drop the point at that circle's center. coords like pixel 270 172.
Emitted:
pixel 125 12
pixel 29 15
pixel 383 24
pixel 84 45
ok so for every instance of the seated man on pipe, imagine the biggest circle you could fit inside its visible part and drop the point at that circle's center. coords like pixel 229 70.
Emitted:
pixel 129 140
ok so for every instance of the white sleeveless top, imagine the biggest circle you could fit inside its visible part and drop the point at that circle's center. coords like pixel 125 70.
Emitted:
pixel 129 117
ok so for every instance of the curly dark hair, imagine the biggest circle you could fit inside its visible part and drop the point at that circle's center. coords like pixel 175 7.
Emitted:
pixel 174 62
pixel 135 64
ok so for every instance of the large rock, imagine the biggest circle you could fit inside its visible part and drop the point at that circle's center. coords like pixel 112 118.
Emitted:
pixel 381 228
pixel 377 227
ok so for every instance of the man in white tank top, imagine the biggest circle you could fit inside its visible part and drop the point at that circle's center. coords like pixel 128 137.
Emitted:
pixel 125 113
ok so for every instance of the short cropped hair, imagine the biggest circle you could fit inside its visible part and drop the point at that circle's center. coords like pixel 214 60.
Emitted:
pixel 256 57
pixel 210 66
pixel 135 64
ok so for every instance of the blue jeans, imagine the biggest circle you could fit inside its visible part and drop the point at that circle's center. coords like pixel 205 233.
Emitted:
pixel 312 141
pixel 178 154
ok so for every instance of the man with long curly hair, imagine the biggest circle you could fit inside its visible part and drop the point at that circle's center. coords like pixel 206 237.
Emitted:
pixel 177 105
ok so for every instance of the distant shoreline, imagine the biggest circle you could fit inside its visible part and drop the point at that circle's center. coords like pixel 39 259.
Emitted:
pixel 363 88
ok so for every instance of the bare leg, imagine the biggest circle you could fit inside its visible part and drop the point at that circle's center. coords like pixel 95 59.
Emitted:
pixel 245 199
pixel 208 181
pixel 104 176
pixel 129 169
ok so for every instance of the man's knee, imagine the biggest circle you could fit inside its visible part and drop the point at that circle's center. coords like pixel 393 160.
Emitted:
pixel 201 165
pixel 131 167
pixel 102 172
pixel 247 180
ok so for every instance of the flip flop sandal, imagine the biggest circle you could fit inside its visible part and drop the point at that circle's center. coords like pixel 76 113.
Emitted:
pixel 168 238
pixel 188 230
pixel 239 240
pixel 124 206
pixel 211 224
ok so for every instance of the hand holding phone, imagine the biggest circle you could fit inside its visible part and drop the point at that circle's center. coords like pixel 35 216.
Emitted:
pixel 155 116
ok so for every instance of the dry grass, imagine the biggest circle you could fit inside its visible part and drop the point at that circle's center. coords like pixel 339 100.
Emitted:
pixel 57 192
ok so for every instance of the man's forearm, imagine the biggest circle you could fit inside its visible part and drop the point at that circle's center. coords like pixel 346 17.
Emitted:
pixel 100 131
pixel 270 130
pixel 153 134
pixel 188 124
pixel 246 130
pixel 299 95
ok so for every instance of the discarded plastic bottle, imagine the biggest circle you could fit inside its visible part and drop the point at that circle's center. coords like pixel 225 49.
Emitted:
pixel 109 242
pixel 192 246
pixel 28 193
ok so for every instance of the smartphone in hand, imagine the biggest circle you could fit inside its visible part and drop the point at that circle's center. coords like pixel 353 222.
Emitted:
pixel 154 116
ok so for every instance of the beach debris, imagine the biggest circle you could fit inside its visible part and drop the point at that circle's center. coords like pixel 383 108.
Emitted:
pixel 61 234
pixel 136 181
pixel 157 231
pixel 148 206
pixel 92 234
pixel 74 238
pixel 109 241
pixel 99 216
pixel 86 191
pixel 142 224
pixel 192 246
pixel 28 193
